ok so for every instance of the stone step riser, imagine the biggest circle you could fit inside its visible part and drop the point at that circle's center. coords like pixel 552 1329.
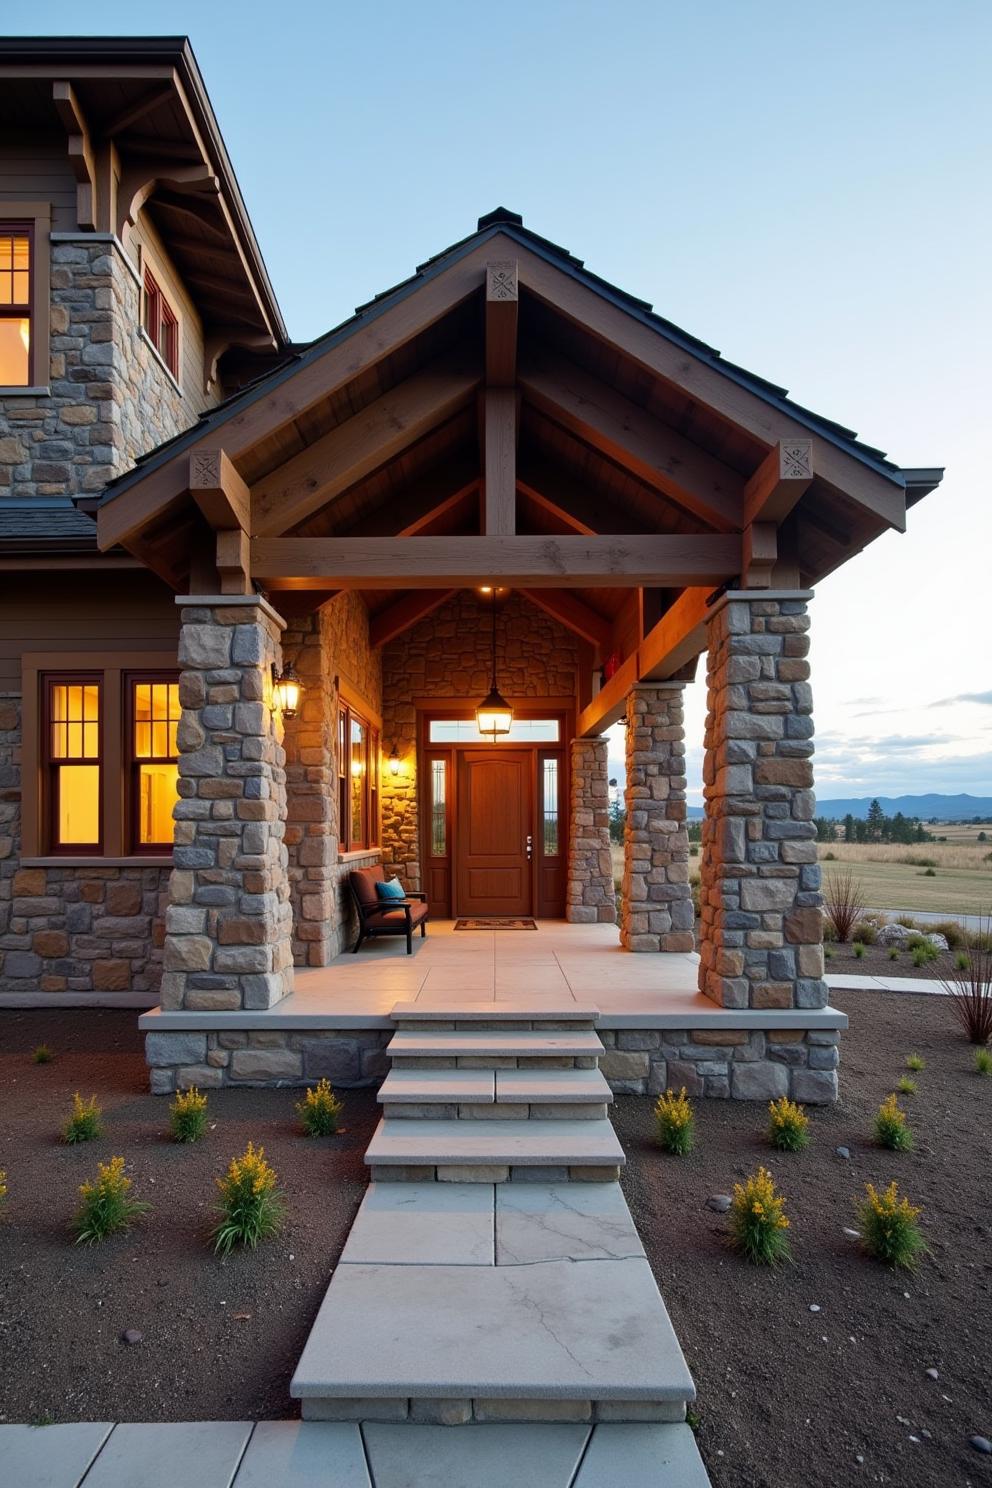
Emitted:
pixel 494 1061
pixel 491 1173
pixel 458 1411
pixel 427 1111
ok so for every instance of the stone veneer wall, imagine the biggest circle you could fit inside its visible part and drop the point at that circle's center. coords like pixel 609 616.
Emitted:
pixel 657 911
pixel 325 647
pixel 449 655
pixel 590 897
pixel 228 924
pixel 762 925
pixel 110 399
pixel 722 1063
pixel 347 1057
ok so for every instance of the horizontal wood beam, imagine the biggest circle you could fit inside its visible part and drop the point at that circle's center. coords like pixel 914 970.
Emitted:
pixel 501 324
pixel 575 614
pixel 500 484
pixel 522 562
pixel 405 612
pixel 623 431
pixel 779 481
pixel 610 703
pixel 341 458
pixel 218 490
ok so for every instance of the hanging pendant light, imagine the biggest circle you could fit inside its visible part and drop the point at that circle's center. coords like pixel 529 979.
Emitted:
pixel 494 714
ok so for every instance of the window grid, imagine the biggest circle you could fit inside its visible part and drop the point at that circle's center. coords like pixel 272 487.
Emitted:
pixel 161 325
pixel 155 714
pixel 439 808
pixel 74 764
pixel 549 807
pixel 15 304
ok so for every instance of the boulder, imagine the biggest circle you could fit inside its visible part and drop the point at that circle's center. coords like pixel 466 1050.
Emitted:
pixel 938 941
pixel 895 935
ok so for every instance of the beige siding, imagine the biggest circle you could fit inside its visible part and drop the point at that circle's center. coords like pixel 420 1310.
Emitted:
pixel 36 168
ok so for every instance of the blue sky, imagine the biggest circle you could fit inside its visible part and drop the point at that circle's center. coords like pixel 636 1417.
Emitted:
pixel 805 186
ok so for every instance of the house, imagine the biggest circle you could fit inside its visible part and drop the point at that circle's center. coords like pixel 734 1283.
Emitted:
pixel 501 508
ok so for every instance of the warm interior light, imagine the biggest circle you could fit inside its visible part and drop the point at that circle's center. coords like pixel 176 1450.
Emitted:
pixel 494 715
pixel 287 690
pixel 357 767
pixel 394 763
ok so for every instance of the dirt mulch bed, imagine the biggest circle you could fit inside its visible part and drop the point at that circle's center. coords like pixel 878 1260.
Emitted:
pixel 790 1397
pixel 877 961
pixel 221 1337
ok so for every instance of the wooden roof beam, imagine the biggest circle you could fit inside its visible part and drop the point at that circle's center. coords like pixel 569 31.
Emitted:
pixel 404 613
pixel 295 490
pixel 779 481
pixel 219 491
pixel 575 614
pixel 634 440
pixel 145 105
pixel 501 324
pixel 554 510
pixel 80 152
pixel 521 562
pixel 500 462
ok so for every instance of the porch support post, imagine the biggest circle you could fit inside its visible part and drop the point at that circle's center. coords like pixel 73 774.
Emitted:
pixel 762 928
pixel 311 797
pixel 657 913
pixel 590 897
pixel 228 923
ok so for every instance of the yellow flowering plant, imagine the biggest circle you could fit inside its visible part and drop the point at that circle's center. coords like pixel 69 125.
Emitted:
pixel 757 1220
pixel 889 1229
pixel 251 1207
pixel 788 1125
pixel 188 1115
pixel 106 1206
pixel 675 1122
pixel 83 1124
pixel 320 1110
pixel 891 1127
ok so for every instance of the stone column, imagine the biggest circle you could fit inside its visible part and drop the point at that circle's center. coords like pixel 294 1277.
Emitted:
pixel 657 913
pixel 762 929
pixel 311 798
pixel 591 897
pixel 229 922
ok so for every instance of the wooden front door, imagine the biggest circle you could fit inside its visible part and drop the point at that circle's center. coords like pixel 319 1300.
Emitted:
pixel 495 832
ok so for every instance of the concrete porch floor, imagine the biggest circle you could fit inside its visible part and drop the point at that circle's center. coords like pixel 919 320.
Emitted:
pixel 557 964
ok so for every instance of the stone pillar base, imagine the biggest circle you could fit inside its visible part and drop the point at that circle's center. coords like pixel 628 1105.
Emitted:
pixel 657 912
pixel 590 897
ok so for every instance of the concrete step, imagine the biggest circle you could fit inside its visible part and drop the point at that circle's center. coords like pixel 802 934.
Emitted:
pixel 494 1151
pixel 495 1049
pixel 552 1341
pixel 626 1456
pixel 495 1095
pixel 522 1013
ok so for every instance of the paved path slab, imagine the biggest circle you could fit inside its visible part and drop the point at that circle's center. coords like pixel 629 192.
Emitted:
pixel 517 1143
pixel 524 1043
pixel 632 1456
pixel 302 1454
pixel 551 1331
pixel 164 1454
pixel 552 1087
pixel 438 1087
pixel 431 1224
pixel 474 1456
pixel 50 1456
pixel 563 1222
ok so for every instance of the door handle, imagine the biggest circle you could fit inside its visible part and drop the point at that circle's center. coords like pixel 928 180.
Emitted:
pixel 530 846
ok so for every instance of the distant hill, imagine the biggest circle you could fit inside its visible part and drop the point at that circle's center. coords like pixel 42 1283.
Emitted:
pixel 944 808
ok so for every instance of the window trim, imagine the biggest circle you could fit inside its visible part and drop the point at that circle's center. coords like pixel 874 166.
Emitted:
pixel 112 668
pixel 37 218
pixel 52 763
pixel 131 680
pixel 156 306
pixel 348 711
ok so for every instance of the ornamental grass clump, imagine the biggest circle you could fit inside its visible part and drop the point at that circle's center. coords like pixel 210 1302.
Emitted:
pixel 320 1110
pixel 675 1123
pixel 42 1055
pixel 251 1207
pixel 906 1086
pixel 889 1229
pixel 788 1125
pixel 970 987
pixel 983 1061
pixel 188 1116
pixel 758 1222
pixel 915 1062
pixel 106 1206
pixel 84 1124
pixel 891 1127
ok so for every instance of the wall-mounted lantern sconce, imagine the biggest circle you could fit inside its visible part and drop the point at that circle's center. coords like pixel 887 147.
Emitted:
pixel 287 689
pixel 394 764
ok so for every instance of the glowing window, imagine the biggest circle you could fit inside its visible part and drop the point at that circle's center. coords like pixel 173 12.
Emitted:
pixel 74 762
pixel 15 305
pixel 439 808
pixel 549 806
pixel 155 770
pixel 522 731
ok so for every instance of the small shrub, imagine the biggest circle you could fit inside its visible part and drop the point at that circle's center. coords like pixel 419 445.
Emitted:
pixel 251 1207
pixel 320 1110
pixel 906 921
pixel 107 1206
pixel 955 935
pixel 894 954
pixel 830 857
pixel 674 1122
pixel 84 1123
pixel 42 1055
pixel 866 932
pixel 906 1086
pixel 891 1128
pixel 915 1062
pixel 970 987
pixel 928 873
pixel 188 1116
pixel 844 903
pixel 828 953
pixel 889 1229
pixel 788 1126
pixel 983 1061
pixel 757 1220
pixel 960 961
pixel 858 949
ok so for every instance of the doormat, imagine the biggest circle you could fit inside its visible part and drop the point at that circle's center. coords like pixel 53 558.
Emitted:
pixel 497 922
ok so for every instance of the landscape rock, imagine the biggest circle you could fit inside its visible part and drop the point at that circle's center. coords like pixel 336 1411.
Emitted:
pixel 719 1203
pixel 895 935
pixel 132 1336
pixel 844 1152
pixel 938 941
pixel 933 1374
pixel 981 1444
